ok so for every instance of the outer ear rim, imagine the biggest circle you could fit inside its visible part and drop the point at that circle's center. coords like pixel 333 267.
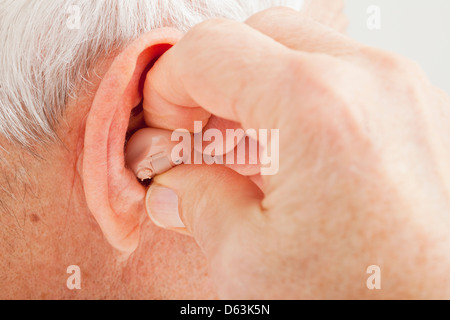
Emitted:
pixel 104 173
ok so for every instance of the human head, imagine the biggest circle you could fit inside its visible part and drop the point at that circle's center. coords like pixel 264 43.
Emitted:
pixel 60 64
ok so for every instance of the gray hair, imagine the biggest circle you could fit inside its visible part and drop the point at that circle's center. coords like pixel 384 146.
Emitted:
pixel 49 47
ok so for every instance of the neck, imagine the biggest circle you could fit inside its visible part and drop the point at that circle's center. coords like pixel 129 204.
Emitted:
pixel 45 228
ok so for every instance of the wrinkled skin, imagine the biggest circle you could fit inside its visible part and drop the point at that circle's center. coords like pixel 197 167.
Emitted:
pixel 363 178
pixel 364 150
pixel 46 224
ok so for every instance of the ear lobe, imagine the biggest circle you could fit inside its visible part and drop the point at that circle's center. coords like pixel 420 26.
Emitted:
pixel 113 194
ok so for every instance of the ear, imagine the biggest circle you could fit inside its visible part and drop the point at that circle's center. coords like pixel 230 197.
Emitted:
pixel 113 194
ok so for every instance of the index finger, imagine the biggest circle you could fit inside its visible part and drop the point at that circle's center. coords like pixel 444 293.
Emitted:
pixel 227 68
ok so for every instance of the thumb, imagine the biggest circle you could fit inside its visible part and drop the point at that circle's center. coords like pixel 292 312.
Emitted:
pixel 207 202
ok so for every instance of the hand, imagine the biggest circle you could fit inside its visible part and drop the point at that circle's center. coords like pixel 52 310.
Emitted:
pixel 364 150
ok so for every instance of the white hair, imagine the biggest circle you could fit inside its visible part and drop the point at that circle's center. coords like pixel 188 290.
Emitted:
pixel 46 54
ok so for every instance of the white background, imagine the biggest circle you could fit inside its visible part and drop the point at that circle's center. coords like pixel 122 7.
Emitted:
pixel 419 29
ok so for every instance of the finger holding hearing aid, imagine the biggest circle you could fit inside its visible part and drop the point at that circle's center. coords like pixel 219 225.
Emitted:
pixel 160 113
pixel 357 183
pixel 150 152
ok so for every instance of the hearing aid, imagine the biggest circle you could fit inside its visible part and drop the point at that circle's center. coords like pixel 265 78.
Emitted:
pixel 149 153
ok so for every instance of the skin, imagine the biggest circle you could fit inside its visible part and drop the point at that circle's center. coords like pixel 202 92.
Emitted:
pixel 364 148
pixel 382 216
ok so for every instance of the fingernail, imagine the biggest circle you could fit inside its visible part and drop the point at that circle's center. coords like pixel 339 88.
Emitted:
pixel 162 207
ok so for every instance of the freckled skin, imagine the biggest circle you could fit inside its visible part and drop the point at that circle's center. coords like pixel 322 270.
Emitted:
pixel 34 218
pixel 35 254
pixel 165 265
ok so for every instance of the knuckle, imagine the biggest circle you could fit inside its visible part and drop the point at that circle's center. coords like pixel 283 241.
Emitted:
pixel 282 10
pixel 212 41
pixel 392 62
pixel 395 63
pixel 316 74
pixel 212 26
pixel 210 30
pixel 404 74
pixel 413 69
pixel 270 16
pixel 325 106
pixel 276 11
